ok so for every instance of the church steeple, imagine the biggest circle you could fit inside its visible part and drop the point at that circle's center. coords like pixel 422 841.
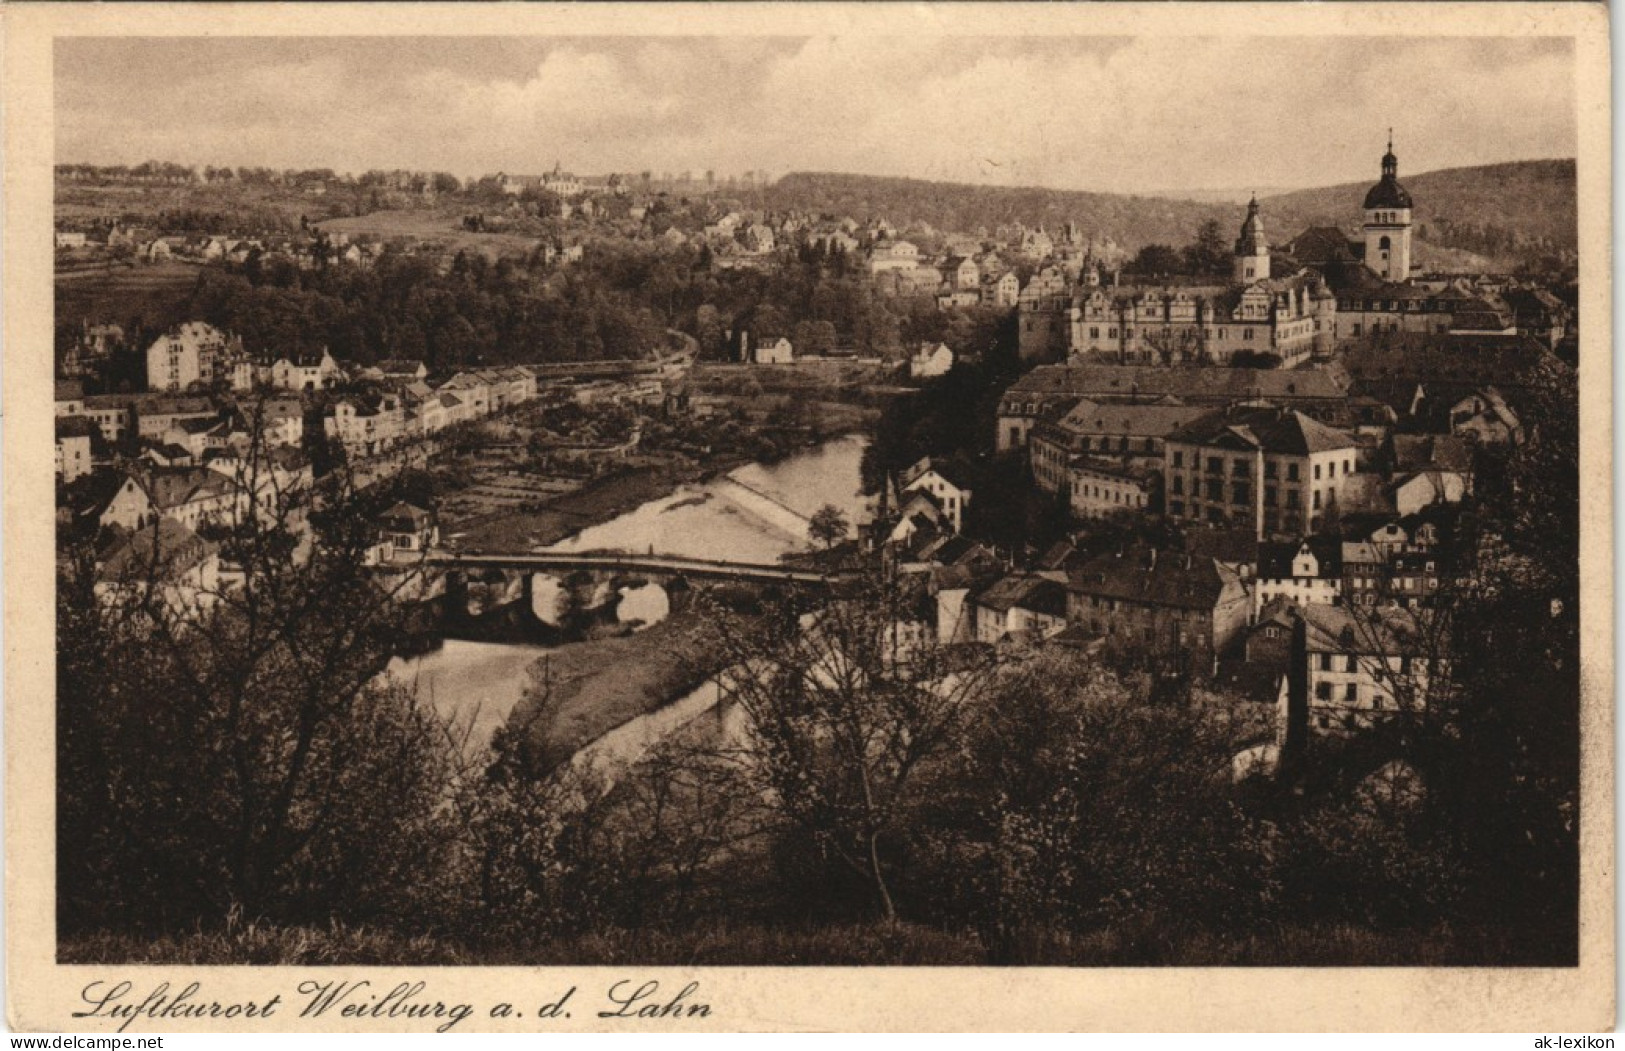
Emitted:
pixel 1252 249
pixel 1388 222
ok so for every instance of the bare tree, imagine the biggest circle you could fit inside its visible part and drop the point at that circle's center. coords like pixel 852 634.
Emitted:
pixel 844 709
pixel 233 725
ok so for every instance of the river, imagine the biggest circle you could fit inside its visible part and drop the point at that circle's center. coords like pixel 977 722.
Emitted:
pixel 740 517
pixel 718 519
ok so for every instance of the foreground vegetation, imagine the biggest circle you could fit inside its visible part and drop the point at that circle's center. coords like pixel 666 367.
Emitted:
pixel 236 785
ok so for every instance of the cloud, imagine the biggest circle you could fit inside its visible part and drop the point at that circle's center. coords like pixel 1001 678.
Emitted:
pixel 1113 114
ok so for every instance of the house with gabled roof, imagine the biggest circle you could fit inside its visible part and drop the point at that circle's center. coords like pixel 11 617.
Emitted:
pixel 165 562
pixel 945 483
pixel 1160 604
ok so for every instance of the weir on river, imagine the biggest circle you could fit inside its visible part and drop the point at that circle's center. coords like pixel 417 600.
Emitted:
pixel 774 512
pixel 753 515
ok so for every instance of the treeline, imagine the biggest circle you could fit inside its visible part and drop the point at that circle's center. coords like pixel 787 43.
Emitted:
pixel 619 301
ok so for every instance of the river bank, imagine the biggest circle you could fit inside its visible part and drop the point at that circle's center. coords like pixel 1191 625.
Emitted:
pixel 599 501
pixel 598 685
pixel 582 690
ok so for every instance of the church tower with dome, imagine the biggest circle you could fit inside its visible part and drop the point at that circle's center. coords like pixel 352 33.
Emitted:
pixel 1252 250
pixel 1388 223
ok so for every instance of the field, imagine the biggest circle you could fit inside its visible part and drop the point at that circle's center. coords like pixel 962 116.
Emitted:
pixel 248 203
pixel 429 225
pixel 153 292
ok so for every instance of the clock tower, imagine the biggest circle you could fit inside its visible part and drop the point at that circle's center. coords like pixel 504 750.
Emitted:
pixel 1388 222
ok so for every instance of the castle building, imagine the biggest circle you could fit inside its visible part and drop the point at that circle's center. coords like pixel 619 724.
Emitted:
pixel 1290 317
pixel 1327 286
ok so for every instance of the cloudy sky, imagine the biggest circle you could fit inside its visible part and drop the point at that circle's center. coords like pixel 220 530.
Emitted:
pixel 1116 114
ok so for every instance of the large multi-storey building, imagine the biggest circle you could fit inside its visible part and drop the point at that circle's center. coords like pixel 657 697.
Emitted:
pixel 1052 389
pixel 1132 433
pixel 197 353
pixel 1270 468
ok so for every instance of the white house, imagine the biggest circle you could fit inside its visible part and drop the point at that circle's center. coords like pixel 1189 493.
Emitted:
pixel 305 371
pixel 951 495
pixel 1303 573
pixel 931 360
pixel 775 352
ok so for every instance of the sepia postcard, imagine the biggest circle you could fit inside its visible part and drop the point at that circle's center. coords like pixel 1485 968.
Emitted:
pixel 739 517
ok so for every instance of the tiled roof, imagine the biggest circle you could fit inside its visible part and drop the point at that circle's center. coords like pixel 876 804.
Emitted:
pixel 165 550
pixel 1271 429
pixel 1213 383
pixel 1275 559
pixel 1168 579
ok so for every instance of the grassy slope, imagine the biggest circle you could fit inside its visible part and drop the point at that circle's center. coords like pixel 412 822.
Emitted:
pixel 430 225
pixel 600 684
pixel 155 292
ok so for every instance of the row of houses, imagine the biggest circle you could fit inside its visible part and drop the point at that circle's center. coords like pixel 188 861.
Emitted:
pixel 165 428
pixel 1287 621
pixel 374 423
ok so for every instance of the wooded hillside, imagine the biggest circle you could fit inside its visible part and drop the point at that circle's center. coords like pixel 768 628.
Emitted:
pixel 1500 211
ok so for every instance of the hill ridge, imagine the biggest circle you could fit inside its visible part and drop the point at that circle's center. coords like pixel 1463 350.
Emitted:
pixel 1462 208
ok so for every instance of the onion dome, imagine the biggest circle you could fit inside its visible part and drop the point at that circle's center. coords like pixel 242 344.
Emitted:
pixel 1388 193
